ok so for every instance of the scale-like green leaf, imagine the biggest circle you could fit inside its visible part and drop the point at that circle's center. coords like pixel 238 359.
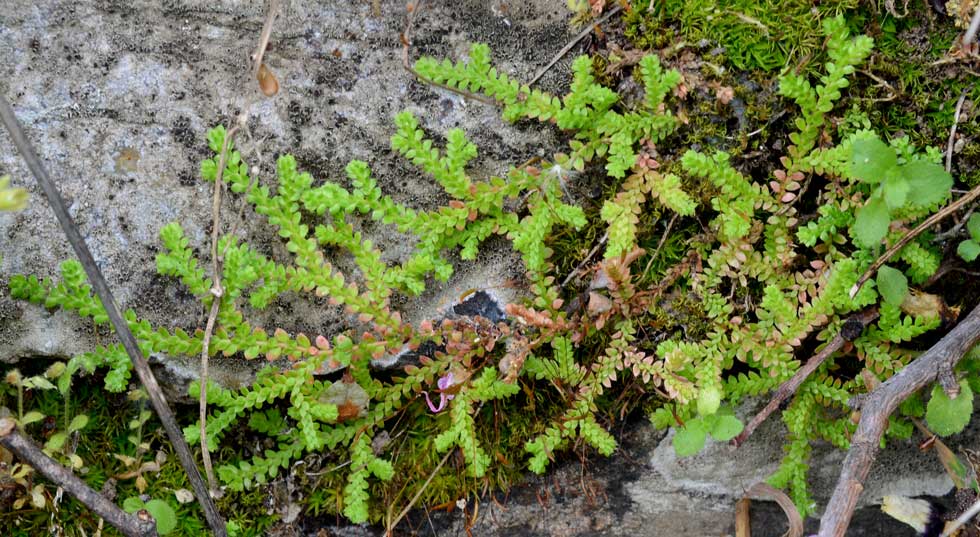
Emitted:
pixel 709 400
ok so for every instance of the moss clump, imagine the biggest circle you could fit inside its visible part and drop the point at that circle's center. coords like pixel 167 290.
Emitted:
pixel 755 35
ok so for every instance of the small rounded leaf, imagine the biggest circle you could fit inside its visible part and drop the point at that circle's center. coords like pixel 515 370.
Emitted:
pixel 183 496
pixel 895 190
pixel 37 496
pixel 56 442
pixel 893 285
pixel 726 427
pixel 78 423
pixel 871 159
pixel 132 504
pixel 871 223
pixel 973 226
pixel 968 250
pixel 709 400
pixel 164 515
pixel 689 440
pixel 31 417
pixel 947 416
pixel 929 183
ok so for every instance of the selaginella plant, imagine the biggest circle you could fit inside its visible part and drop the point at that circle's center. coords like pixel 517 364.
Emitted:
pixel 803 272
pixel 766 280
pixel 347 413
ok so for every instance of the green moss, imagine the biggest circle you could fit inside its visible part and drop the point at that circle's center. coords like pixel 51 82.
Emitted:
pixel 646 30
pixel 764 35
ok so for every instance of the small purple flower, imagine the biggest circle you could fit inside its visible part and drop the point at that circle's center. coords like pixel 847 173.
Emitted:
pixel 444 383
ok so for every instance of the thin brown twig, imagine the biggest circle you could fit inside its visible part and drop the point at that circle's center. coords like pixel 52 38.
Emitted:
pixel 418 493
pixel 766 491
pixel 892 94
pixel 216 293
pixel 129 343
pixel 788 388
pixel 875 410
pixel 572 43
pixel 136 525
pixel 952 130
pixel 926 224
pixel 852 329
pixel 588 258
pixel 406 45
pixel 216 289
pixel 264 38
pixel 660 245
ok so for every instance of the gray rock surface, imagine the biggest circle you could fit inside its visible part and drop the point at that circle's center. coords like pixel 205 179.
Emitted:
pixel 646 490
pixel 643 490
pixel 118 96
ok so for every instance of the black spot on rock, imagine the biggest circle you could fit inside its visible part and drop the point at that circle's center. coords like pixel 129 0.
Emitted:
pixel 480 304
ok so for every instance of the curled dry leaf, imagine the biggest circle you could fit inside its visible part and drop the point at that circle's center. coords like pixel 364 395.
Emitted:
pixel 351 400
pixel 184 496
pixel 920 304
pixel 724 94
pixel 766 491
pixel 267 81
pixel 599 303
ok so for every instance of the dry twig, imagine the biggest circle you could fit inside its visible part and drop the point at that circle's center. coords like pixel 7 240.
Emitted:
pixel 418 493
pixel 216 293
pixel 588 258
pixel 767 491
pixel 851 330
pixel 126 337
pixel 576 39
pixel 743 520
pixel 216 290
pixel 264 37
pixel 926 224
pixel 952 130
pixel 880 404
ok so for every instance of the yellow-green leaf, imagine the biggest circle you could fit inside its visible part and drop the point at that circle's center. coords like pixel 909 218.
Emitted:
pixel 947 416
